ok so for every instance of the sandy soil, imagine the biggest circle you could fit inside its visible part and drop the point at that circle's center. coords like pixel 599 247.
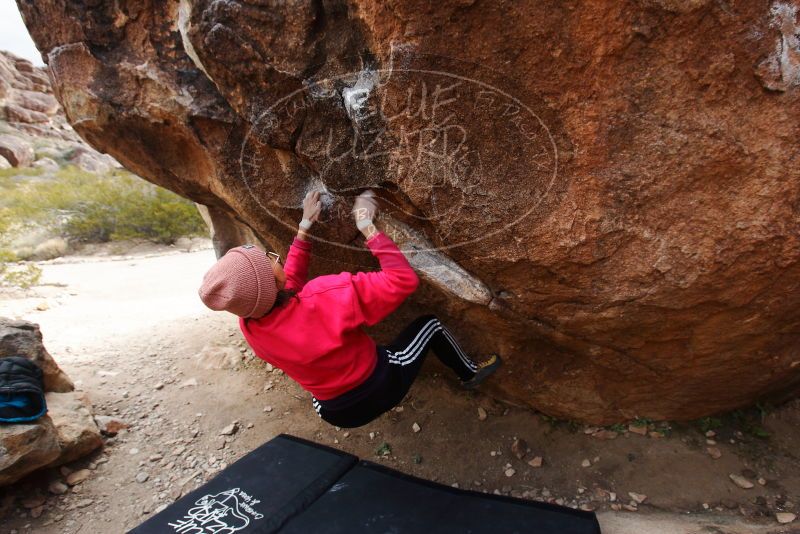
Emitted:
pixel 127 330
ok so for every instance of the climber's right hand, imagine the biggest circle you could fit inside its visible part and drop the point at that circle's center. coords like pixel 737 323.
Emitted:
pixel 312 206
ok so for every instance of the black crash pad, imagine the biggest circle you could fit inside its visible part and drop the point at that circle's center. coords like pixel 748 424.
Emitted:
pixel 293 486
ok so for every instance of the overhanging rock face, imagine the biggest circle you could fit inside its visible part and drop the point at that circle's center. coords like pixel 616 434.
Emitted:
pixel 605 193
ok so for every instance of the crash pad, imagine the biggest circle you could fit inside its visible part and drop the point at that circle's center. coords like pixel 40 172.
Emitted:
pixel 293 486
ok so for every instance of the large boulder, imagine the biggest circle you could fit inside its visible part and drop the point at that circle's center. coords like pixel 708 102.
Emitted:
pixel 606 193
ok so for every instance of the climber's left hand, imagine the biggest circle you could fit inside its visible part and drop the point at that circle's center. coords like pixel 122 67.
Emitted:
pixel 312 206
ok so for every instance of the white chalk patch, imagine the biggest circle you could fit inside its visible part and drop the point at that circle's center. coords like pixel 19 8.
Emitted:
pixel 781 69
pixel 355 97
pixel 315 184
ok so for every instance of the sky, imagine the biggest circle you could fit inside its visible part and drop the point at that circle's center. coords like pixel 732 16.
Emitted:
pixel 13 34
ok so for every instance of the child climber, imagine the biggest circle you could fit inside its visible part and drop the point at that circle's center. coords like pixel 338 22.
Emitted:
pixel 311 330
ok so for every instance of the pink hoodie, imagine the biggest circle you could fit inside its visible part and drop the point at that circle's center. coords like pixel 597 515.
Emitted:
pixel 316 339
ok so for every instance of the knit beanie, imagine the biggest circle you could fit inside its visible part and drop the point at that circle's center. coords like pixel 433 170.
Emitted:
pixel 242 282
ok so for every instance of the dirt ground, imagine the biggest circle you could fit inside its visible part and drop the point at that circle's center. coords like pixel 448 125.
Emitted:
pixel 127 329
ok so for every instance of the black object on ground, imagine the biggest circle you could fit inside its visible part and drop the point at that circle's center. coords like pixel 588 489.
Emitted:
pixel 21 390
pixel 290 485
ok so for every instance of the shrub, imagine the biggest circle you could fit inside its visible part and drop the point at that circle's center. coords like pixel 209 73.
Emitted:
pixel 86 207
pixel 14 274
pixel 6 175
pixel 52 248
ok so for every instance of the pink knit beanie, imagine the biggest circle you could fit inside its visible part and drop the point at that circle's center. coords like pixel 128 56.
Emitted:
pixel 241 282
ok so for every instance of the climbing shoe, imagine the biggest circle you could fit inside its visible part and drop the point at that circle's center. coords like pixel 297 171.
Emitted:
pixel 485 369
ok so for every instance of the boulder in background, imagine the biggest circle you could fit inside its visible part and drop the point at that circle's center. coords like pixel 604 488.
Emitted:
pixel 24 448
pixel 66 433
pixel 78 434
pixel 16 151
pixel 23 338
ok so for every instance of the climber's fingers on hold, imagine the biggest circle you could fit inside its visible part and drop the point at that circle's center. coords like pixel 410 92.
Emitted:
pixel 317 210
pixel 310 200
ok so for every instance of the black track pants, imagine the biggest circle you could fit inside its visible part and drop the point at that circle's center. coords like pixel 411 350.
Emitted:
pixel 399 363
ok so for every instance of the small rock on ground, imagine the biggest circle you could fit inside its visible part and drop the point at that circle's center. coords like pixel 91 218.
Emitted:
pixel 57 487
pixel 535 462
pixel 519 448
pixel 638 497
pixel 740 481
pixel 78 476
pixel 230 429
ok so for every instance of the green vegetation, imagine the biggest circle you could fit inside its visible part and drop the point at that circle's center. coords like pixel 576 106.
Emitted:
pixel 746 420
pixel 383 450
pixel 85 207
pixel 21 276
pixel 749 422
pixel 665 428
pixel 642 421
pixel 709 423
pixel 554 422
pixel 7 174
